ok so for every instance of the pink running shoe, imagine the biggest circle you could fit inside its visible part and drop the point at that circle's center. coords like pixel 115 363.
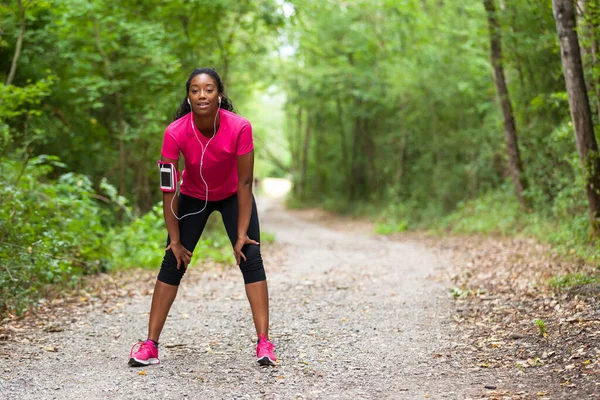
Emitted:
pixel 264 351
pixel 147 354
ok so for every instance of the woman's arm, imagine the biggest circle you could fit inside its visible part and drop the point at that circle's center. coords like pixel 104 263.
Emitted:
pixel 182 255
pixel 244 195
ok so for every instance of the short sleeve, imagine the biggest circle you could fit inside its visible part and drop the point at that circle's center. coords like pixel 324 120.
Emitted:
pixel 245 142
pixel 170 148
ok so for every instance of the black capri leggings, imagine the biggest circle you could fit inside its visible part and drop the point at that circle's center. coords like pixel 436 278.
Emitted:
pixel 190 230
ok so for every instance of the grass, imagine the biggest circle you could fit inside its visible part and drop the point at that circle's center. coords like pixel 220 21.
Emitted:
pixel 543 331
pixel 573 280
pixel 384 228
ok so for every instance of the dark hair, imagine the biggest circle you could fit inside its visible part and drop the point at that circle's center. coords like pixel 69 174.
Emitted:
pixel 185 107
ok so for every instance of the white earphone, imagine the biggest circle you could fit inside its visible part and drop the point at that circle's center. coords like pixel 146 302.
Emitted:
pixel 204 148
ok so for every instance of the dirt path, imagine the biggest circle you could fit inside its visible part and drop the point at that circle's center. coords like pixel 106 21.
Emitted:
pixel 353 316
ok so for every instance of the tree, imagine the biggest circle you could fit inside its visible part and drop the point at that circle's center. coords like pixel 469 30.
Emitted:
pixel 564 14
pixel 510 130
pixel 119 69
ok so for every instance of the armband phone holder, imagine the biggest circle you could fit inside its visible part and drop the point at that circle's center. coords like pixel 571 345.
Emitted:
pixel 167 176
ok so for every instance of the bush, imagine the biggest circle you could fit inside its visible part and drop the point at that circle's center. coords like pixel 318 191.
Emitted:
pixel 142 242
pixel 51 232
pixel 496 212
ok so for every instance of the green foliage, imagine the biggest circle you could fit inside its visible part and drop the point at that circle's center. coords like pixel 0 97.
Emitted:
pixel 542 327
pixel 19 102
pixel 383 118
pixel 381 108
pixel 113 74
pixel 381 115
pixel 110 79
pixel 51 232
pixel 141 243
pixel 565 226
pixel 16 101
pixel 215 245
pixel 458 293
pixel 569 281
pixel 496 212
pixel 394 227
pixel 267 237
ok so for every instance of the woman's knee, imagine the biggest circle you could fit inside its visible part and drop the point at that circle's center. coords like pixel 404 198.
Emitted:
pixel 169 273
pixel 253 268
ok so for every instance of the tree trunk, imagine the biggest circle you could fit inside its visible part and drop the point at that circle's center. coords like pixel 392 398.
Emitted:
pixel 122 156
pixel 343 141
pixel 585 51
pixel 18 47
pixel 303 177
pixel 510 130
pixel 295 140
pixel 371 185
pixel 358 177
pixel 564 14
pixel 592 16
pixel 594 54
pixel 318 180
pixel 401 160
pixel 143 196
pixel 589 51
pixel 519 65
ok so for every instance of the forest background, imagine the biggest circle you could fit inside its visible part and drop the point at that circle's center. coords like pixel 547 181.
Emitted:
pixel 446 116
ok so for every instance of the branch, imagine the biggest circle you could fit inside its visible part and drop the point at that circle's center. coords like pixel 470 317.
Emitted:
pixel 13 67
pixel 109 201
pixel 60 115
pixel 271 156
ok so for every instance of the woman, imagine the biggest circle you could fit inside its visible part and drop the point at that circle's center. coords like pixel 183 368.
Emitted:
pixel 219 160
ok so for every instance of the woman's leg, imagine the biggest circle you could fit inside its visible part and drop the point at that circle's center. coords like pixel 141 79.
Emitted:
pixel 162 300
pixel 169 277
pixel 253 268
pixel 258 296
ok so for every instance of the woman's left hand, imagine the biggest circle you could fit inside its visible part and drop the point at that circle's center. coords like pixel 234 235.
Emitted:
pixel 237 249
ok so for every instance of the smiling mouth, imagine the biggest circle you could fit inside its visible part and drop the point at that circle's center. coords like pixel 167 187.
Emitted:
pixel 202 105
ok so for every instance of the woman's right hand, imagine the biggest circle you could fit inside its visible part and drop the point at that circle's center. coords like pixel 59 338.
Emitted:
pixel 183 255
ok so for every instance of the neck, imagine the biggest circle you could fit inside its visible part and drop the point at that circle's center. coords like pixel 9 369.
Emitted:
pixel 207 125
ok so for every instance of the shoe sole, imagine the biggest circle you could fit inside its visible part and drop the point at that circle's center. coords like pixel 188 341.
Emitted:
pixel 265 361
pixel 134 362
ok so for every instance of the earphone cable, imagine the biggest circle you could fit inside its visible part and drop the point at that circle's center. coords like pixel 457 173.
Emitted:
pixel 204 148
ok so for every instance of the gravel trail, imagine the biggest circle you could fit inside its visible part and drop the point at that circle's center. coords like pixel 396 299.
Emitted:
pixel 353 315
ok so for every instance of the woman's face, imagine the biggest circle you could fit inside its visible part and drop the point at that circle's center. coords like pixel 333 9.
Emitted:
pixel 204 95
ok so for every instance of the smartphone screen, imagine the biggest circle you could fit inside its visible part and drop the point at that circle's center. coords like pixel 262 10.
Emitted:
pixel 165 178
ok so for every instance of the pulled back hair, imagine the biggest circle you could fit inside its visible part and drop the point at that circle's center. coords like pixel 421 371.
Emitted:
pixel 185 107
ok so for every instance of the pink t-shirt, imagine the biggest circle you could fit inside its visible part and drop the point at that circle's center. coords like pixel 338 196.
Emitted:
pixel 219 166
